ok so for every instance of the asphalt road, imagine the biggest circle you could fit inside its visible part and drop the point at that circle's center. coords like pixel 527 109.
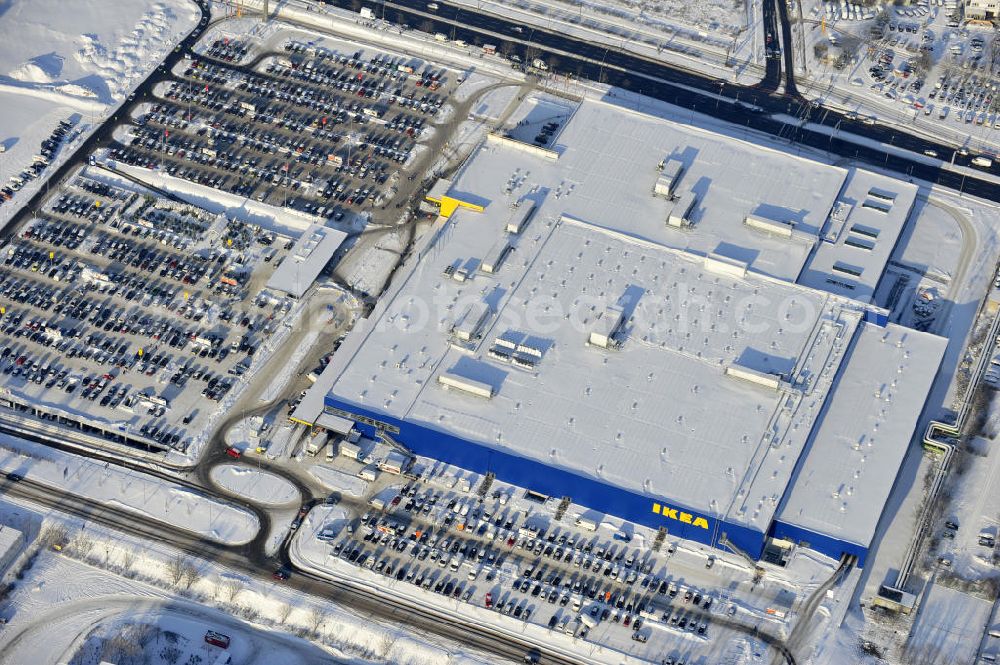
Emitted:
pixel 787 50
pixel 250 560
pixel 566 54
pixel 772 69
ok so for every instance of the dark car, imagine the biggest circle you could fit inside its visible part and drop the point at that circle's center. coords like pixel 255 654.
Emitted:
pixel 281 574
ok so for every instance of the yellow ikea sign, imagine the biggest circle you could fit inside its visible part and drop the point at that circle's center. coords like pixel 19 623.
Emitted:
pixel 686 518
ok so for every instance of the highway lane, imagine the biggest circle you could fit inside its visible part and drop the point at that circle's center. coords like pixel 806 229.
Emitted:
pixel 569 55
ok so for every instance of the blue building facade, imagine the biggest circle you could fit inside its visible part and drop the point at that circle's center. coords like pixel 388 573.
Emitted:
pixel 654 512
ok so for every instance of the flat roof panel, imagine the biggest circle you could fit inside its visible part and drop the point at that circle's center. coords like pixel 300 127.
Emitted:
pixel 879 207
pixel 648 416
pixel 303 264
pixel 846 476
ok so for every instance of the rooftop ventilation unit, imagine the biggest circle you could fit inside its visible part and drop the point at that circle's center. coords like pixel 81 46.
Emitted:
pixel 470 386
pixel 520 215
pixel 772 381
pixel 471 324
pixel 670 174
pixel 723 265
pixel 778 228
pixel 495 258
pixel 680 215
pixel 605 327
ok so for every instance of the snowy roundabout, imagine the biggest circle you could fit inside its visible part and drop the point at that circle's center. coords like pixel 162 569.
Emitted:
pixel 254 485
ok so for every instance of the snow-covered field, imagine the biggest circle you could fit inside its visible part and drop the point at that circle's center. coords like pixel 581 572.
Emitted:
pixel 75 60
pixel 254 485
pixel 138 493
pixel 948 627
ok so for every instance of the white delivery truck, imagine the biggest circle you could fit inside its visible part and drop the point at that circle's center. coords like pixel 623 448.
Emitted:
pixel 982 162
pixel 315 443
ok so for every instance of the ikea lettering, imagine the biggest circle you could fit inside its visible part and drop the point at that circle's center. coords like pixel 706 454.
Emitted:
pixel 674 514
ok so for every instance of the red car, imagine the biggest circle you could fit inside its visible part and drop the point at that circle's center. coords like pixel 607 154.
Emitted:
pixel 233 452
pixel 489 600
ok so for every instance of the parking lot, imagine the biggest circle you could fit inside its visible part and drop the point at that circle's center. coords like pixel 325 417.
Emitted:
pixel 927 63
pixel 130 312
pixel 491 554
pixel 309 129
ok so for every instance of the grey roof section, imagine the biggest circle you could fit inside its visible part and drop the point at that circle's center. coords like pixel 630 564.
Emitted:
pixel 860 236
pixel 312 251
pixel 845 478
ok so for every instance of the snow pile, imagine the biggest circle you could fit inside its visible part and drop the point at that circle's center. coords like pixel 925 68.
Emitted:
pixel 33 72
pixel 254 485
pixel 333 479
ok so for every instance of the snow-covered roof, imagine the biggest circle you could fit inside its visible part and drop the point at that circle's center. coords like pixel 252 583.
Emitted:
pixel 314 248
pixel 11 541
pixel 847 473
pixel 645 416
pixel 708 387
pixel 607 170
pixel 860 235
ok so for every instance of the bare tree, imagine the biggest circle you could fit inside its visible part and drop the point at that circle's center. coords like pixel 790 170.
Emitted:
pixel 231 589
pixel 386 643
pixel 83 544
pixel 129 557
pixel 54 534
pixel 191 574
pixel 316 617
pixel 284 611
pixel 176 569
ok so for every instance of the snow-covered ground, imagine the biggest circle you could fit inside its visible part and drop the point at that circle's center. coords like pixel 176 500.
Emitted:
pixel 947 628
pixel 254 485
pixel 338 481
pixel 975 507
pixel 493 103
pixel 136 492
pixel 59 62
pixel 368 266
pixel 473 83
